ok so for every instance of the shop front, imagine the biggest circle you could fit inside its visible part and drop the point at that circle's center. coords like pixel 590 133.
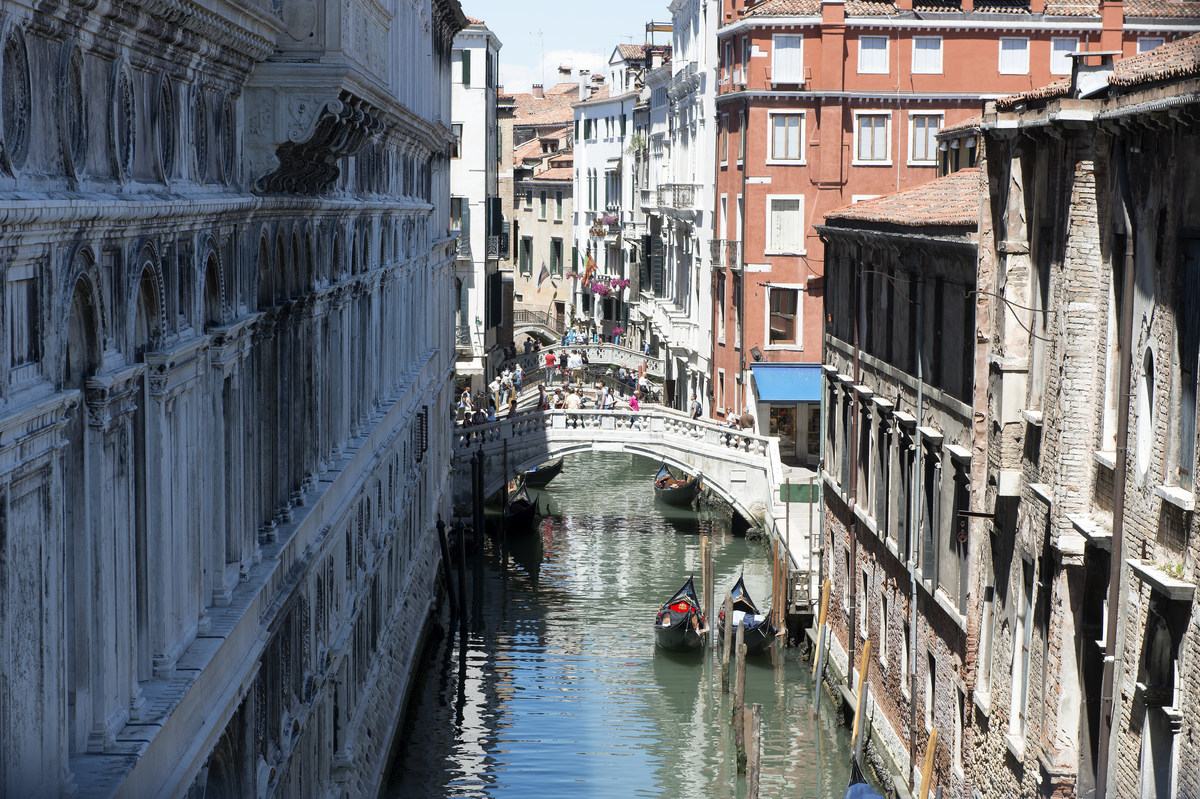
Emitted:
pixel 788 397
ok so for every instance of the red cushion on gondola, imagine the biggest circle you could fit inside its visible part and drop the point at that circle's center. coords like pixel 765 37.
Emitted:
pixel 681 607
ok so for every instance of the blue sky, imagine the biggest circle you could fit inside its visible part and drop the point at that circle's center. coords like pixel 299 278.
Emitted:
pixel 579 34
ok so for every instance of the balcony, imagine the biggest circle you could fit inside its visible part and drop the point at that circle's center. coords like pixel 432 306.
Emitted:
pixel 647 199
pixel 497 247
pixel 679 196
pixel 462 339
pixel 464 244
pixel 717 252
pixel 733 254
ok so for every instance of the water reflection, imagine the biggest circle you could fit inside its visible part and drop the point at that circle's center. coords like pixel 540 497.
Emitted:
pixel 559 689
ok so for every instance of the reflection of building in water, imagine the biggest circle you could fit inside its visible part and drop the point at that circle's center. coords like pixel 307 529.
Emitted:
pixel 226 261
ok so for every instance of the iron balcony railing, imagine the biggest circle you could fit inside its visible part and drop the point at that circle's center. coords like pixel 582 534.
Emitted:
pixel 462 338
pixel 680 196
pixel 717 252
pixel 497 246
pixel 523 316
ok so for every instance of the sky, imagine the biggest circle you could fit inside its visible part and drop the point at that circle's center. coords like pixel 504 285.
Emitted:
pixel 538 35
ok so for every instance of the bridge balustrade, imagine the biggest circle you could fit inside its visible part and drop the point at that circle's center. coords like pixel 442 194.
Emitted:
pixel 597 354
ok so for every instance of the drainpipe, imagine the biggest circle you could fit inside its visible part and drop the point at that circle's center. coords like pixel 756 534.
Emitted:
pixel 915 518
pixel 1108 688
pixel 741 223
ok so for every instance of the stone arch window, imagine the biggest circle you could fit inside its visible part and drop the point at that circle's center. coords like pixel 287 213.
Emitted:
pixel 164 128
pixel 200 135
pixel 72 111
pixel 82 360
pixel 1145 414
pixel 16 99
pixel 264 274
pixel 123 122
pixel 214 313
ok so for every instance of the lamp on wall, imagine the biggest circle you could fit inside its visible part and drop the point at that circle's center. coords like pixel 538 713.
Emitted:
pixel 756 353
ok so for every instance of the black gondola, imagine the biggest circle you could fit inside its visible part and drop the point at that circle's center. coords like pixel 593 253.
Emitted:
pixel 679 624
pixel 520 510
pixel 858 787
pixel 759 632
pixel 543 473
pixel 675 490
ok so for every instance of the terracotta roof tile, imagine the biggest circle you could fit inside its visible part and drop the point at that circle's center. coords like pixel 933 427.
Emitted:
pixel 949 201
pixel 870 8
pixel 785 8
pixel 631 52
pixel 555 173
pixel 1162 8
pixel 1171 61
pixel 601 93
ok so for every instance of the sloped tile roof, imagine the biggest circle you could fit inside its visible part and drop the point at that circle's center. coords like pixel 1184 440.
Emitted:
pixel 966 124
pixel 631 52
pixel 785 8
pixel 1171 61
pixel 949 201
pixel 1162 8
pixel 555 173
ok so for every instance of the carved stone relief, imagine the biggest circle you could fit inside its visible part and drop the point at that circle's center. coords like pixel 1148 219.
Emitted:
pixel 123 122
pixel 16 99
pixel 72 115
pixel 165 128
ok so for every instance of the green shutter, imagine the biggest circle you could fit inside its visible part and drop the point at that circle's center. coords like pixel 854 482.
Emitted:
pixel 466 67
pixel 622 126
pixel 577 130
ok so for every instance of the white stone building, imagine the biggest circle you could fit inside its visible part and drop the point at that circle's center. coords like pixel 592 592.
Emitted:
pixel 677 303
pixel 226 279
pixel 475 208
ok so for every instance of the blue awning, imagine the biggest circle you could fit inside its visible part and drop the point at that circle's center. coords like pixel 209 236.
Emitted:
pixel 787 382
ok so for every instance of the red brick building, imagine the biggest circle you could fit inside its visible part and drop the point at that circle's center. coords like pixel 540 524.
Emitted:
pixel 821 104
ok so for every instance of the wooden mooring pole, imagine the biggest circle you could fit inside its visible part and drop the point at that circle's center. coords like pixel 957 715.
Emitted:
pixel 726 642
pixel 706 577
pixel 754 768
pixel 739 697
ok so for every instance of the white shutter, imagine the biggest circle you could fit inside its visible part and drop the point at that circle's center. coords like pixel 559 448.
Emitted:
pixel 787 58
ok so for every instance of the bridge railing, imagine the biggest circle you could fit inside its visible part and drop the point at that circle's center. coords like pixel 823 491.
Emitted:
pixel 611 424
pixel 596 353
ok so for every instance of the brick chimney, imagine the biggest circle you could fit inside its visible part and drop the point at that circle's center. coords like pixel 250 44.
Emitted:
pixel 539 91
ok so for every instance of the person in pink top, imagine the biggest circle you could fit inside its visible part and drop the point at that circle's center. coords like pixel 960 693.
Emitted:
pixel 633 403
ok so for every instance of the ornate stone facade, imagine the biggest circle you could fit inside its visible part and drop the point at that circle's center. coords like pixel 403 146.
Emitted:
pixel 222 230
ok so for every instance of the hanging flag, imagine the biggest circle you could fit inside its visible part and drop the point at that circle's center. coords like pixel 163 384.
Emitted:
pixel 589 267
pixel 545 273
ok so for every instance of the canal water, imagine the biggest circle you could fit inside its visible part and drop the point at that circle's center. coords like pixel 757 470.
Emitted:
pixel 560 690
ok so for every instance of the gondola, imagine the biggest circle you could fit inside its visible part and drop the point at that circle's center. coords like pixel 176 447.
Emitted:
pixel 759 632
pixel 679 624
pixel 543 473
pixel 520 509
pixel 858 787
pixel 675 490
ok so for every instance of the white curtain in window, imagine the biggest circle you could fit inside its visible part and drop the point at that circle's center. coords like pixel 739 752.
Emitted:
pixel 873 54
pixel 872 137
pixel 785 137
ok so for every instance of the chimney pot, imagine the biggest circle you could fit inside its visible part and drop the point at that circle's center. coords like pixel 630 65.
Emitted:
pixel 539 91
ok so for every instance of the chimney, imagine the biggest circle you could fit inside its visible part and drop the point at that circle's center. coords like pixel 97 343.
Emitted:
pixel 539 91
pixel 564 71
pixel 583 85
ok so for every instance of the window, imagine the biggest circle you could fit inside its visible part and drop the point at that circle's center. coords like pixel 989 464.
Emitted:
pixel 1187 336
pixel 871 138
pixel 882 463
pixel 526 258
pixel 24 330
pixel 930 677
pixel 466 67
pixel 741 130
pixel 528 199
pixel 1014 56
pixel 883 622
pixel 724 143
pixel 456 214
pixel 1145 414
pixel 723 219
pixel 1147 43
pixel 785 222
pixel 782 322
pixel 787 65
pixel 1022 640
pixel 904 687
pixel 873 55
pixel 866 592
pixel 960 701
pixel 456 146
pixel 923 134
pixel 558 206
pixel 556 257
pixel 721 388
pixel 720 305
pixel 787 137
pixel 927 55
pixel 1060 50
pixel 542 205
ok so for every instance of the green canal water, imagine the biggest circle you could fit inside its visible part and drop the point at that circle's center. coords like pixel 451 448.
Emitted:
pixel 560 690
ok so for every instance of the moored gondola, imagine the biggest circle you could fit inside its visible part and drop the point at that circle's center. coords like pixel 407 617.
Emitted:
pixel 858 787
pixel 675 490
pixel 543 473
pixel 759 632
pixel 520 509
pixel 679 624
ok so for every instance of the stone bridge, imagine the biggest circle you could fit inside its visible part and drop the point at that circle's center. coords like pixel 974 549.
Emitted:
pixel 597 354
pixel 740 467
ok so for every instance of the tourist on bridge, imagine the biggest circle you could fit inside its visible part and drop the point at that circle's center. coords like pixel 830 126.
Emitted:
pixel 543 398
pixel 746 420
pixel 512 407
pixel 518 377
pixel 572 402
pixel 550 367
pixel 634 404
pixel 695 408
pixel 575 364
